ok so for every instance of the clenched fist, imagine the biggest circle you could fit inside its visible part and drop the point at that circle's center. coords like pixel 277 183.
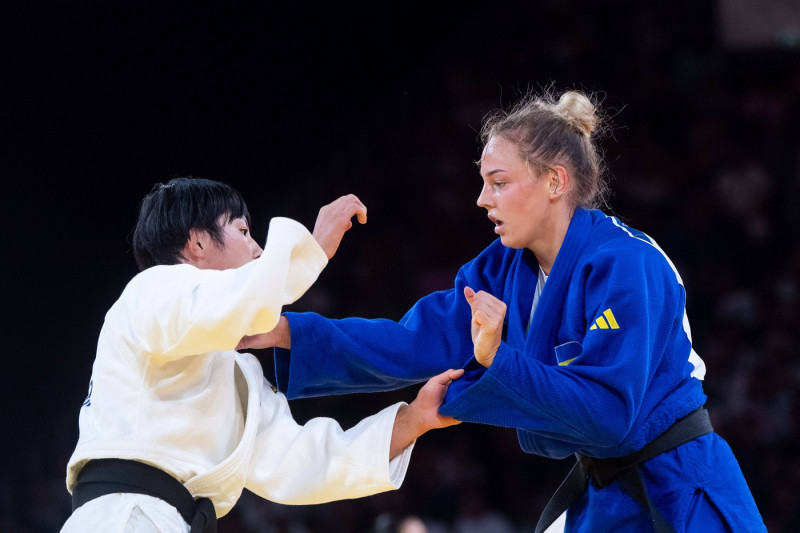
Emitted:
pixel 488 315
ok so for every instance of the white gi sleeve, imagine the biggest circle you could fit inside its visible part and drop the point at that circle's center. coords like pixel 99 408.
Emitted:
pixel 180 310
pixel 320 462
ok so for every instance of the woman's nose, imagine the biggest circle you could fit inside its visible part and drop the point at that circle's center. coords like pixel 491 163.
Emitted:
pixel 483 198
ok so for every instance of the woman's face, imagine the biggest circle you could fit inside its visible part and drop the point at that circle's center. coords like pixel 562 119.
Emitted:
pixel 238 246
pixel 517 200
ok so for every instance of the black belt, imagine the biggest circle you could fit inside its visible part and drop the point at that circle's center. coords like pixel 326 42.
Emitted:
pixel 108 476
pixel 626 469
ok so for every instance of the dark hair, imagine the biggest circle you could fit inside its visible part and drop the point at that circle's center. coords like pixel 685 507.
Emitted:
pixel 556 131
pixel 170 211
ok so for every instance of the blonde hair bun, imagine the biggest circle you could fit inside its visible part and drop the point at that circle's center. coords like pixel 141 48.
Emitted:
pixel 578 111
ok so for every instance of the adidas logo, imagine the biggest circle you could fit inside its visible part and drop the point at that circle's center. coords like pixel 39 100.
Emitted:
pixel 605 321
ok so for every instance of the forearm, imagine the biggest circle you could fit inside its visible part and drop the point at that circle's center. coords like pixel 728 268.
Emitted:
pixel 407 429
pixel 281 335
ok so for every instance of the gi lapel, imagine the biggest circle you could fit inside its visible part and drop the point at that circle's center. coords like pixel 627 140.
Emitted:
pixel 548 316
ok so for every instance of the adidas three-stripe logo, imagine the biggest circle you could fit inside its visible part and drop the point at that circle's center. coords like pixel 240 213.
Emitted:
pixel 605 321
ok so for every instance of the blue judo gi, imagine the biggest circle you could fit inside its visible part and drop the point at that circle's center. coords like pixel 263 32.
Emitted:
pixel 605 366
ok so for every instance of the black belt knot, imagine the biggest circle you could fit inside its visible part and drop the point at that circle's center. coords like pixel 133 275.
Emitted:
pixel 625 469
pixel 99 477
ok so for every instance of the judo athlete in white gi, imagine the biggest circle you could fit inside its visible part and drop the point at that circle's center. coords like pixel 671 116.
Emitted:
pixel 177 422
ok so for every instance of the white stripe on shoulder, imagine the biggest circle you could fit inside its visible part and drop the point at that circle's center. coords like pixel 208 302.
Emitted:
pixel 699 365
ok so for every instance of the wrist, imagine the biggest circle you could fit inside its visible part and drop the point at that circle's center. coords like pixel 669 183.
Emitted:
pixel 487 360
pixel 405 431
pixel 410 417
pixel 283 333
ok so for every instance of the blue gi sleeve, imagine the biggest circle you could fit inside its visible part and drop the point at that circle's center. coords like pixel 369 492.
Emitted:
pixel 330 356
pixel 618 348
pixel 369 355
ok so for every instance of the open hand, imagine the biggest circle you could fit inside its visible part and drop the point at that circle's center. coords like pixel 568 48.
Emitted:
pixel 430 397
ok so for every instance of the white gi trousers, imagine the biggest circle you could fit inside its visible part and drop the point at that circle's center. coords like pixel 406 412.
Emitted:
pixel 126 513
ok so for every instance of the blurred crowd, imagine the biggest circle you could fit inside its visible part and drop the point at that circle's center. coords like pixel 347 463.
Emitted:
pixel 702 154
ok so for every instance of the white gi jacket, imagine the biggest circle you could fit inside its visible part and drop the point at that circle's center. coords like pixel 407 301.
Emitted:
pixel 168 389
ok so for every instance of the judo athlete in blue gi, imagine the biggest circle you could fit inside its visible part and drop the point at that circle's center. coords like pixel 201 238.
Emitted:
pixel 571 328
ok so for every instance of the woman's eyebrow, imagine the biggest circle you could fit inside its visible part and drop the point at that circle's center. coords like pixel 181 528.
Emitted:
pixel 493 172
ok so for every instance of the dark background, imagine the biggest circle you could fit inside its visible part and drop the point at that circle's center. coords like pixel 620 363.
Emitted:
pixel 295 106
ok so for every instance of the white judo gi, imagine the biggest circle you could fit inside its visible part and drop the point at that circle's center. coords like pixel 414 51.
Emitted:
pixel 169 390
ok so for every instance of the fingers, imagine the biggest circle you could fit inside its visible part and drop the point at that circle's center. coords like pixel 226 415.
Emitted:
pixel 335 219
pixel 447 376
pixel 469 294
pixel 361 212
pixel 488 316
pixel 344 208
pixel 485 307
pixel 351 206
pixel 481 319
pixel 356 205
pixel 482 299
pixel 448 421
pixel 455 374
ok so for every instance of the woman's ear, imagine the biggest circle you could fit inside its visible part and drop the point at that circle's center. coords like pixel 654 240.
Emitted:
pixel 196 247
pixel 558 181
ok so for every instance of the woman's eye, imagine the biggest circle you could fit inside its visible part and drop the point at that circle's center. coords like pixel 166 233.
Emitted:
pixel 244 231
pixel 499 184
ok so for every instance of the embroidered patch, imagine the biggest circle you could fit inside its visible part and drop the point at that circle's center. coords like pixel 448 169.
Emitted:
pixel 605 321
pixel 568 352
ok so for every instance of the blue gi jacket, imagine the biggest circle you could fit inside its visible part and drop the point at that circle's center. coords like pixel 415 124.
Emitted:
pixel 606 366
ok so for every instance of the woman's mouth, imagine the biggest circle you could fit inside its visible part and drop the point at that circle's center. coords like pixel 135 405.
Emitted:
pixel 497 223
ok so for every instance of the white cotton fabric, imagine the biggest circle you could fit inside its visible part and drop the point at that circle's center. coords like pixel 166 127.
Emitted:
pixel 126 513
pixel 168 389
